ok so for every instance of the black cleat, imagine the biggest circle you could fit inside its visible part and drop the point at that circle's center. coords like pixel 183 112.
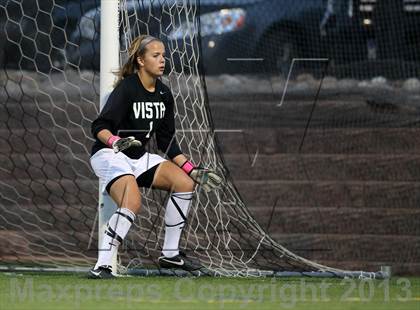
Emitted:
pixel 179 261
pixel 102 272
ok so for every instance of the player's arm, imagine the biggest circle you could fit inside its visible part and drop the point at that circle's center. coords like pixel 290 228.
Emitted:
pixel 207 178
pixel 179 160
pixel 104 135
pixel 111 116
pixel 117 143
pixel 167 142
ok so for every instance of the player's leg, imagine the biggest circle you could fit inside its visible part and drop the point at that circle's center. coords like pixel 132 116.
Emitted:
pixel 125 192
pixel 170 177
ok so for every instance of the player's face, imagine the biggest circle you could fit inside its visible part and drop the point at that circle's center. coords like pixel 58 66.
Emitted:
pixel 153 61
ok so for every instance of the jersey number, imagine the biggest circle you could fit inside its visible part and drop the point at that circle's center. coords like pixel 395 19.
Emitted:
pixel 150 129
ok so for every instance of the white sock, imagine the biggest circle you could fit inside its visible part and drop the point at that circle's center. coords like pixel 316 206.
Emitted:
pixel 175 217
pixel 117 228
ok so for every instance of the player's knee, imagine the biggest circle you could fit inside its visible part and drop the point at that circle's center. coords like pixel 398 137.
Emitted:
pixel 183 182
pixel 184 185
pixel 189 185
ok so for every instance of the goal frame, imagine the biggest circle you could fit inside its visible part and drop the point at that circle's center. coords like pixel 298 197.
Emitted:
pixel 109 64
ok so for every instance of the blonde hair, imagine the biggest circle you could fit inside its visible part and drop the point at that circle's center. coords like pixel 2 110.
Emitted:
pixel 137 49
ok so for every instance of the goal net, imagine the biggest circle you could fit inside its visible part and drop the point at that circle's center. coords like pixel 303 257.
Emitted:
pixel 49 194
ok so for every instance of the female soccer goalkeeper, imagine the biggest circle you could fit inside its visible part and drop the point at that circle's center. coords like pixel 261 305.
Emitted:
pixel 140 106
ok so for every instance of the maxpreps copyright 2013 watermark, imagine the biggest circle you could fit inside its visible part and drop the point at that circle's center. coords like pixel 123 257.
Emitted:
pixel 285 293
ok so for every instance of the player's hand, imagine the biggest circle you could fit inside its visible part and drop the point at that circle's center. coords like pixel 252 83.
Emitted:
pixel 206 178
pixel 124 143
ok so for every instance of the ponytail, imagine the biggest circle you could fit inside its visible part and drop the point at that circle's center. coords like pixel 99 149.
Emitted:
pixel 136 49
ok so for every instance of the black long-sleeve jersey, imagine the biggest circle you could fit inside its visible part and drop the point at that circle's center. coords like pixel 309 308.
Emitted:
pixel 131 110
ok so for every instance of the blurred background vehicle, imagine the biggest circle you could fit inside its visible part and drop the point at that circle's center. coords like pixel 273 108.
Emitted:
pixel 229 29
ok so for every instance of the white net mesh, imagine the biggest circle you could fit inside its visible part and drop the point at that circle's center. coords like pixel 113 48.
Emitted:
pixel 220 231
pixel 48 193
pixel 48 190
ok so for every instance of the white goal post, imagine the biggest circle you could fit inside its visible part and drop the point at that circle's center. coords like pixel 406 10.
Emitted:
pixel 109 64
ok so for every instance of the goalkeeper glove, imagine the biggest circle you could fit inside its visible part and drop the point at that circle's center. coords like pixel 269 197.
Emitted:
pixel 119 144
pixel 206 178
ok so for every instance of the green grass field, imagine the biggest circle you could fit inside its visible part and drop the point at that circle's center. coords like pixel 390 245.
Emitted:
pixel 65 291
